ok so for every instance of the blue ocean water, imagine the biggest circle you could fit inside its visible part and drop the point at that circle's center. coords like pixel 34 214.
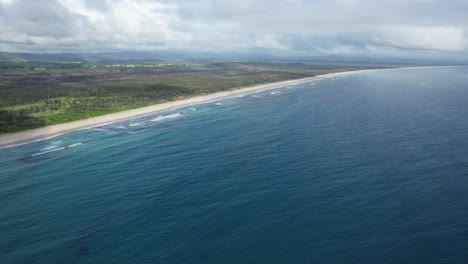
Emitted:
pixel 370 167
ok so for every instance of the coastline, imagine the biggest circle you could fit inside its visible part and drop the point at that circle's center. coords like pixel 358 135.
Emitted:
pixel 59 129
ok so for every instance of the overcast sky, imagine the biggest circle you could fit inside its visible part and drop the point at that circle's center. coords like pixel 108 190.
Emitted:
pixel 407 28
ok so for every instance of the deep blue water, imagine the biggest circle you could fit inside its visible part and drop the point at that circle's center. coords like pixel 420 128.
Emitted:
pixel 365 168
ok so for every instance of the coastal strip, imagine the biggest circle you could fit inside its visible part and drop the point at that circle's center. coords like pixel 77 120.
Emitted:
pixel 59 129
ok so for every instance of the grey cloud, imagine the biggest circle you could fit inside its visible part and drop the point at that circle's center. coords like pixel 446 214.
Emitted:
pixel 294 27
pixel 27 42
pixel 321 25
pixel 42 18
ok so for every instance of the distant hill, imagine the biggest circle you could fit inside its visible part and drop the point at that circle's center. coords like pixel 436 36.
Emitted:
pixel 69 60
pixel 77 58
pixel 153 57
pixel 44 57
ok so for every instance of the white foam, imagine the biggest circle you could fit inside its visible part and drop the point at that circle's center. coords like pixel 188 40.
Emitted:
pixel 56 149
pixel 99 129
pixel 275 92
pixel 97 125
pixel 171 116
pixel 219 104
pixel 192 108
pixel 49 147
pixel 27 142
pixel 135 124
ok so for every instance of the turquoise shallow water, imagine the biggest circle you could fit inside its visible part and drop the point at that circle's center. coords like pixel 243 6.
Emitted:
pixel 364 168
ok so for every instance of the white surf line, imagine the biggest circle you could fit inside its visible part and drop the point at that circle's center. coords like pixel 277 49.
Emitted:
pixel 37 134
pixel 56 149
pixel 29 141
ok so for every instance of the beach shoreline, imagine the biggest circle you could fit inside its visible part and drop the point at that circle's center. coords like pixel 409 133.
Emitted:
pixel 36 134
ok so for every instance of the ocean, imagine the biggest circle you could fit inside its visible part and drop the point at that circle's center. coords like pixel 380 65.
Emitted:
pixel 368 167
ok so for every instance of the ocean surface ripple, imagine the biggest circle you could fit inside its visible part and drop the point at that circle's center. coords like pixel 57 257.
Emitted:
pixel 370 167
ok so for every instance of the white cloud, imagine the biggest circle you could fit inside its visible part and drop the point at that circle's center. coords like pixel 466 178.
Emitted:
pixel 126 23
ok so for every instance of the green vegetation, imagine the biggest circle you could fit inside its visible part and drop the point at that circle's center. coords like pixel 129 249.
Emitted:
pixel 35 94
pixel 14 121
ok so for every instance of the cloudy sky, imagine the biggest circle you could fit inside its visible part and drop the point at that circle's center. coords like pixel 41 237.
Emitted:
pixel 399 28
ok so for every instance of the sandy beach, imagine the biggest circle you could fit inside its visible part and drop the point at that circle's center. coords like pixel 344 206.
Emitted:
pixel 53 130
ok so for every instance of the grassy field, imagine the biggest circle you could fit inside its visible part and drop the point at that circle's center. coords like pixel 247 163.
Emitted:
pixel 32 96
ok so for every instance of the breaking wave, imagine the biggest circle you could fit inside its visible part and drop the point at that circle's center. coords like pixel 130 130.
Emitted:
pixel 171 116
pixel 55 149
